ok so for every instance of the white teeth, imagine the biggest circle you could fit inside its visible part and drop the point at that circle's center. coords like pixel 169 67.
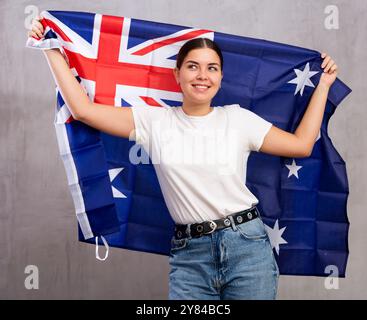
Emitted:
pixel 200 87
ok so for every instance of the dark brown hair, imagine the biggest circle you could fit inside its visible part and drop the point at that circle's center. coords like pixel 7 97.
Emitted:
pixel 196 44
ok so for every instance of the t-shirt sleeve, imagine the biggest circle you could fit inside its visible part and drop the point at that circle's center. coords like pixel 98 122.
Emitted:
pixel 253 128
pixel 144 117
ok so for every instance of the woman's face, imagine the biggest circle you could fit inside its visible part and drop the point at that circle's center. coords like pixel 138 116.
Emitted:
pixel 200 75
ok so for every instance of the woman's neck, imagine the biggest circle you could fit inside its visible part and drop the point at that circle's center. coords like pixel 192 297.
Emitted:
pixel 196 110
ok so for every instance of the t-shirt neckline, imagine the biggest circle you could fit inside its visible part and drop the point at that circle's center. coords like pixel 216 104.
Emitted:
pixel 197 118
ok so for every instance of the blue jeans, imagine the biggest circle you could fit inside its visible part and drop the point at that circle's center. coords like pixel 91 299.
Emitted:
pixel 236 262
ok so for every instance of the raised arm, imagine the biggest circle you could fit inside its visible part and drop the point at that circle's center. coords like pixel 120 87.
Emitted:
pixel 110 119
pixel 300 143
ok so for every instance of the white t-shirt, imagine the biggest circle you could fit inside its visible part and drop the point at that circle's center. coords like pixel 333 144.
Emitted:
pixel 201 161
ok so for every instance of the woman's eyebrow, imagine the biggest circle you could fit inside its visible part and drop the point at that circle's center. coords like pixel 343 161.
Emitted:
pixel 192 61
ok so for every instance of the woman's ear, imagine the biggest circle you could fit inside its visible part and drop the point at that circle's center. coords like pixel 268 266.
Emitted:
pixel 176 73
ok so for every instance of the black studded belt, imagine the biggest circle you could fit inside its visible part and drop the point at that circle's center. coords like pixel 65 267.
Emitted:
pixel 206 227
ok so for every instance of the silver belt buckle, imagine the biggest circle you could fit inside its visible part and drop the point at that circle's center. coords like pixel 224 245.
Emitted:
pixel 213 225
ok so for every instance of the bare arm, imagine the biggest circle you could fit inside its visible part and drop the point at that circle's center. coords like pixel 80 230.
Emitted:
pixel 301 142
pixel 110 119
pixel 71 90
pixel 282 143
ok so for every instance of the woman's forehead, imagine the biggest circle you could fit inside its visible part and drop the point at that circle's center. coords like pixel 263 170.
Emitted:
pixel 203 55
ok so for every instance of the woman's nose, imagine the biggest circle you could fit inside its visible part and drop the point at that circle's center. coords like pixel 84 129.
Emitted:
pixel 201 74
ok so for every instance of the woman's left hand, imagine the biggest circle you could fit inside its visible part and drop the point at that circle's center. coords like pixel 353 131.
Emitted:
pixel 330 70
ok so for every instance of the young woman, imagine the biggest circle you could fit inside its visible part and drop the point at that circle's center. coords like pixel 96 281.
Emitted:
pixel 220 249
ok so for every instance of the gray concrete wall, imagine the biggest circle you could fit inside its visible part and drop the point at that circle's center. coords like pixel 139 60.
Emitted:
pixel 37 222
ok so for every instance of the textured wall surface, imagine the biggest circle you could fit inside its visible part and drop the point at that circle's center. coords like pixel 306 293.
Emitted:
pixel 37 222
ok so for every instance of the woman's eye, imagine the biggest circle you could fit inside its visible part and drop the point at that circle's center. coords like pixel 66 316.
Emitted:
pixel 194 66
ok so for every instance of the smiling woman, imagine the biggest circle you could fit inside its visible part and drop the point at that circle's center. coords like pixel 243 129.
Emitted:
pixel 203 159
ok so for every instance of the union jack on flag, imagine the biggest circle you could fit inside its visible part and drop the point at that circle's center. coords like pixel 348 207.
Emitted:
pixel 126 62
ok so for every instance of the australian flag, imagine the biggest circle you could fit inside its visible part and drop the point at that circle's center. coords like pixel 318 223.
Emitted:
pixel 125 62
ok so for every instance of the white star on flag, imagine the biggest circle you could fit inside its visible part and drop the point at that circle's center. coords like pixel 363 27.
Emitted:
pixel 293 169
pixel 113 174
pixel 275 236
pixel 303 79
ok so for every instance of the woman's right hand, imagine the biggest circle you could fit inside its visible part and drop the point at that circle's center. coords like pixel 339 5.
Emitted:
pixel 37 28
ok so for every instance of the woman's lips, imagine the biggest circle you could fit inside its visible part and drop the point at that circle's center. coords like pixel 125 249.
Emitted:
pixel 200 87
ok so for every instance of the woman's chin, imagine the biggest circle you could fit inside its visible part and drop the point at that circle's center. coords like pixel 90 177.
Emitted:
pixel 199 99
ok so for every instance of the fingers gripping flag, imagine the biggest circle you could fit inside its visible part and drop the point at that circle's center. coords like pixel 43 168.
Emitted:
pixel 125 62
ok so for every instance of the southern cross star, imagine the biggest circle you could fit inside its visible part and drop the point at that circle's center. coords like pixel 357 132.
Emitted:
pixel 303 79
pixel 275 236
pixel 293 169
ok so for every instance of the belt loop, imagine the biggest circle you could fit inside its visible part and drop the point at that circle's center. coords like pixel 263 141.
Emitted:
pixel 258 212
pixel 188 230
pixel 233 225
